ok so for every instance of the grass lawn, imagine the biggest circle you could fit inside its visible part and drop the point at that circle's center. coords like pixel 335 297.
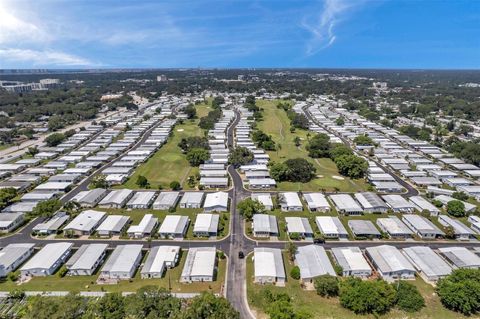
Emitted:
pixel 169 163
pixel 88 283
pixel 137 214
pixel 276 123
pixel 330 308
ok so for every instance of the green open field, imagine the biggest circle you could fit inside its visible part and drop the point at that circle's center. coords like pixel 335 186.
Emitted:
pixel 88 283
pixel 169 163
pixel 137 214
pixel 330 308
pixel 277 124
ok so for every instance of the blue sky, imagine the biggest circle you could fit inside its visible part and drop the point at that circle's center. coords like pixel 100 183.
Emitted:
pixel 222 33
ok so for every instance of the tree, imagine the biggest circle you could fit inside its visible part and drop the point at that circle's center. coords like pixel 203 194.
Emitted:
pixel 408 298
pixel 240 156
pixel 69 133
pixel 192 142
pixel 460 291
pixel 351 166
pixel 111 306
pixel 363 140
pixel 190 111
pixel 295 273
pixel 299 170
pixel 450 232
pixel 326 286
pixel 366 297
pixel 142 181
pixel 6 196
pixel 55 123
pixel 99 181
pixel 208 306
pixel 456 208
pixel 54 139
pixel 340 121
pixel 278 171
pixel 292 250
pixel 296 140
pixel 33 150
pixel 197 156
pixel 319 146
pixel 338 150
pixel 46 208
pixel 175 185
pixel 299 121
pixel 249 207
pixel 460 196
pixel 152 302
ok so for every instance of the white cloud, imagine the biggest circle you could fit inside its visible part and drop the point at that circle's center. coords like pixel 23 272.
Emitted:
pixel 43 58
pixel 322 28
pixel 16 30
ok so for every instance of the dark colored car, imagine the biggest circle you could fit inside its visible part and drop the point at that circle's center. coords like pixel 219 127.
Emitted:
pixel 241 255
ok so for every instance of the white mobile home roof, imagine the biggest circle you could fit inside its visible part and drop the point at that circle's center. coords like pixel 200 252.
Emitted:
pixel 123 258
pixel 458 227
pixel 394 226
pixel 461 257
pixel 159 257
pixel 113 223
pixel 263 198
pixel 216 199
pixel 331 225
pixel 313 261
pixel 397 202
pixel 141 198
pixel 146 225
pixel 166 199
pixel 265 223
pixel 421 224
pixel 47 256
pixel 389 259
pixel 86 256
pixel 268 262
pixel 298 225
pixel 351 259
pixel 13 252
pixel 427 261
pixel 200 262
pixel 421 203
pixel 206 223
pixel 370 200
pixel 316 201
pixel 345 203
pixel 173 224
pixel 86 221
pixel 192 198
pixel 291 199
pixel 116 197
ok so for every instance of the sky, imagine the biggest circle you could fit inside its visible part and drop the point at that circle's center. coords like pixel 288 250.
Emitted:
pixel 418 34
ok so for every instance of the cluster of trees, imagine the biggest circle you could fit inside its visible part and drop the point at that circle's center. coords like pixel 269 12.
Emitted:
pixel 99 181
pixel 65 106
pixel 6 196
pixel 147 303
pixel 423 133
pixel 263 140
pixel 55 139
pixel 377 296
pixel 363 140
pixel 456 208
pixel 208 122
pixel 46 208
pixel 217 102
pixel 293 170
pixel 240 156
pixel 298 120
pixel 348 164
pixel 280 306
pixel 468 151
pixel 196 149
pixel 460 291
pixel 249 207
pixel 190 111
